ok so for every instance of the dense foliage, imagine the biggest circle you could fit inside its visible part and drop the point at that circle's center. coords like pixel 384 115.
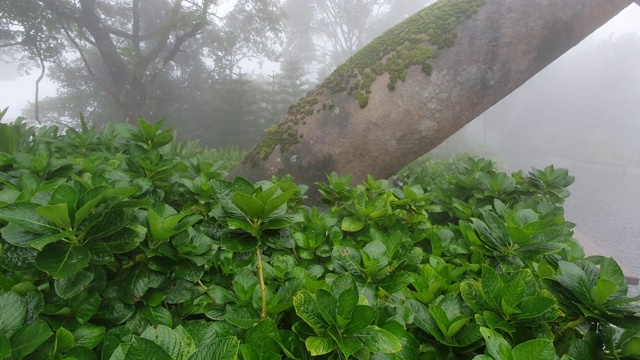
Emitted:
pixel 123 244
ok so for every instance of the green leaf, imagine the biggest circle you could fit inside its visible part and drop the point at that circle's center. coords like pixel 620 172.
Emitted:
pixel 64 340
pixel 15 258
pixel 85 305
pixel 410 346
pixel 157 315
pixel 526 217
pixel 5 347
pixel 88 202
pixel 492 287
pixel 346 345
pixel 251 207
pixel 137 280
pixel 60 259
pixel 244 316
pixel 162 139
pixel 574 279
pixel 589 347
pixel 88 335
pixel 361 317
pixel 12 313
pixel 352 224
pixel 149 131
pixel 166 338
pixel 261 338
pixel 26 216
pixel 306 307
pixel 28 337
pixel 276 202
pixel 347 303
pixel 535 306
pixel 57 214
pixel 291 345
pixel 249 353
pixel 244 284
pixel 603 290
pixel 611 271
pixel 18 236
pixel 100 253
pixel 631 345
pixel 126 239
pixel 162 228
pixel 242 224
pixel 71 285
pixel 319 345
pixel 518 235
pixel 143 349
pixel 187 344
pixel 222 348
pixel 65 194
pixel 512 292
pixel 537 349
pixel 375 339
pixel 327 306
pixel 115 310
pixel 496 345
pixel 110 222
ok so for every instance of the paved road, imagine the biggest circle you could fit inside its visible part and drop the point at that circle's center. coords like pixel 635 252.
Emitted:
pixel 605 206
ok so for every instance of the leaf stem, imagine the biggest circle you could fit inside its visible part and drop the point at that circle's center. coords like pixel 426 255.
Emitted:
pixel 205 290
pixel 263 289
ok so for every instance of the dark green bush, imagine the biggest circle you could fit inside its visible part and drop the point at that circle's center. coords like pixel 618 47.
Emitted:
pixel 122 244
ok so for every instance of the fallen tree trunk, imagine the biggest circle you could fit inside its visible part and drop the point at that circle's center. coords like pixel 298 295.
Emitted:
pixel 418 83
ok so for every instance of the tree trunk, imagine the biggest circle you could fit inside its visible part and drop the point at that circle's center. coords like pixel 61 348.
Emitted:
pixel 487 50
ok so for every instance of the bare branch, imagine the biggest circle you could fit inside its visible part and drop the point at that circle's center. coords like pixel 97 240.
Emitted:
pixel 136 28
pixel 153 54
pixel 23 42
pixel 43 68
pixel 177 44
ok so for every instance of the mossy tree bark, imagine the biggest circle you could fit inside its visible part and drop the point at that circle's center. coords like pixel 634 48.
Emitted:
pixel 420 82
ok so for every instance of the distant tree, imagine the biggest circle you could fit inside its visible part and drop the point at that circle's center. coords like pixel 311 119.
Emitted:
pixel 136 41
pixel 30 36
pixel 290 84
pixel 337 28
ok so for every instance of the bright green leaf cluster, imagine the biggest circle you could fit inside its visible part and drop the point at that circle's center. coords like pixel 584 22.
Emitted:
pixel 122 244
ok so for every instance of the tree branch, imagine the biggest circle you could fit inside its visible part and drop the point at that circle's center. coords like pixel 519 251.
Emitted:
pixel 87 65
pixel 175 49
pixel 37 93
pixel 136 28
pixel 22 42
pixel 104 44
pixel 153 54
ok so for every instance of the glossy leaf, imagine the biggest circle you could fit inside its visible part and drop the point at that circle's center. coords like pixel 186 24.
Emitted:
pixel 319 345
pixel 28 337
pixel 223 348
pixel 13 310
pixel 60 259
pixel 144 349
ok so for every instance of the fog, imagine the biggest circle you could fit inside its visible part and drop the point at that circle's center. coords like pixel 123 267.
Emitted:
pixel 582 112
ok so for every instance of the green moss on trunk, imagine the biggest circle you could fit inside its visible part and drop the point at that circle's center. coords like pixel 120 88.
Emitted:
pixel 413 42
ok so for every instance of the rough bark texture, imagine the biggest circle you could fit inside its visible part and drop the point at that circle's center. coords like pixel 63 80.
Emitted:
pixel 496 50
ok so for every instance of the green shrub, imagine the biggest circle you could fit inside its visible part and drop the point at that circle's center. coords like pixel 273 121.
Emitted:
pixel 121 244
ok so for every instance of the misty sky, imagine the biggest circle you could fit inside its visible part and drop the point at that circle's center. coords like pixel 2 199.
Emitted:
pixel 16 91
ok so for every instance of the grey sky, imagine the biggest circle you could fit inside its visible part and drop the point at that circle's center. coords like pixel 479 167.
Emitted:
pixel 16 91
